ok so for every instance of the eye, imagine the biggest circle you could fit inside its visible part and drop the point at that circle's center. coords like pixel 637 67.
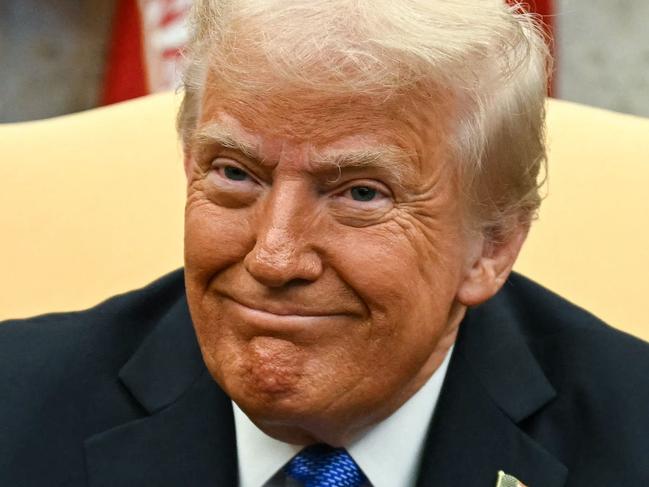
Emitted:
pixel 230 184
pixel 362 203
pixel 366 193
pixel 235 174
pixel 228 172
pixel 363 193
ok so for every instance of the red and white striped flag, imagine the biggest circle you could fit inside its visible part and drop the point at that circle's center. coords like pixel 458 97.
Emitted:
pixel 146 41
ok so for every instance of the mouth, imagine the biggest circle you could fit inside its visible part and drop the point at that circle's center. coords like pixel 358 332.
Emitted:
pixel 282 316
pixel 286 307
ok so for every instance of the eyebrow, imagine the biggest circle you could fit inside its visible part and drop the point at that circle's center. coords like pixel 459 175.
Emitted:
pixel 391 159
pixel 388 158
pixel 219 133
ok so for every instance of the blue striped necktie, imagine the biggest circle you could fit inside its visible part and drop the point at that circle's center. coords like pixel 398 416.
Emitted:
pixel 324 466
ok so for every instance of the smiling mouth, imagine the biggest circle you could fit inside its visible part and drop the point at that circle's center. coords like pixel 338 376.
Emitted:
pixel 284 310
pixel 282 318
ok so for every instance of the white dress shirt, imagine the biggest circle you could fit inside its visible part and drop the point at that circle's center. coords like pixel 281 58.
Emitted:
pixel 389 452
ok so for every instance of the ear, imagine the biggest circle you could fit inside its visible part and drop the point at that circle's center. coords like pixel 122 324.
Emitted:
pixel 489 267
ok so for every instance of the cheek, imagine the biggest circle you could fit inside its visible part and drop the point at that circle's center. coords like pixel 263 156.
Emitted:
pixel 400 266
pixel 215 237
pixel 408 278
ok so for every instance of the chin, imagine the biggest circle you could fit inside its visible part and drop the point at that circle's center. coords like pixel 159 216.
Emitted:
pixel 265 376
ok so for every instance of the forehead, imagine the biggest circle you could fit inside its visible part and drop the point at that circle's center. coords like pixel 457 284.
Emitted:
pixel 324 118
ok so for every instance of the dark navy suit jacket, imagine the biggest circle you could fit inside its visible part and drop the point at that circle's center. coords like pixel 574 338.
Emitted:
pixel 118 396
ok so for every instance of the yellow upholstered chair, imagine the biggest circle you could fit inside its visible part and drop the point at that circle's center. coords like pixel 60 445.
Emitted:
pixel 91 205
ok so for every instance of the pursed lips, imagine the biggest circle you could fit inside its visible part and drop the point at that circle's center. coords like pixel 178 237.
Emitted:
pixel 280 309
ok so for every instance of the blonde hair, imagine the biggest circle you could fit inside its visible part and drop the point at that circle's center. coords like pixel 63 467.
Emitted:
pixel 490 57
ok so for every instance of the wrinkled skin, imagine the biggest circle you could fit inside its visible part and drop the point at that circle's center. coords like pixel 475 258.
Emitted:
pixel 324 299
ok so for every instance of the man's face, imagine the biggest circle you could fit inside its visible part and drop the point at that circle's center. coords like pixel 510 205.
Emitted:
pixel 324 250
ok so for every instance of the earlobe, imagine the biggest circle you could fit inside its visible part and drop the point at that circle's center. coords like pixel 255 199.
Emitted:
pixel 489 268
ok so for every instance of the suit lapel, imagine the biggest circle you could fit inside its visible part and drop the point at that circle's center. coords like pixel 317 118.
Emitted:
pixel 493 384
pixel 188 436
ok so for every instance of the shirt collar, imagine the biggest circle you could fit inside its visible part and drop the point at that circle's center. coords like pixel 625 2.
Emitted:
pixel 389 453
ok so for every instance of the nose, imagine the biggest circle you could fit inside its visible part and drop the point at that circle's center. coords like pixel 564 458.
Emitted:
pixel 283 253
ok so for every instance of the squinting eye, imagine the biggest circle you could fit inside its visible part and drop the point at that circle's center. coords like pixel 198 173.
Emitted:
pixel 235 174
pixel 363 193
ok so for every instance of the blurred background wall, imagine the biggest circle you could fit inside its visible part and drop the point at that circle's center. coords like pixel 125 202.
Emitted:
pixel 53 53
pixel 603 57
pixel 52 56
